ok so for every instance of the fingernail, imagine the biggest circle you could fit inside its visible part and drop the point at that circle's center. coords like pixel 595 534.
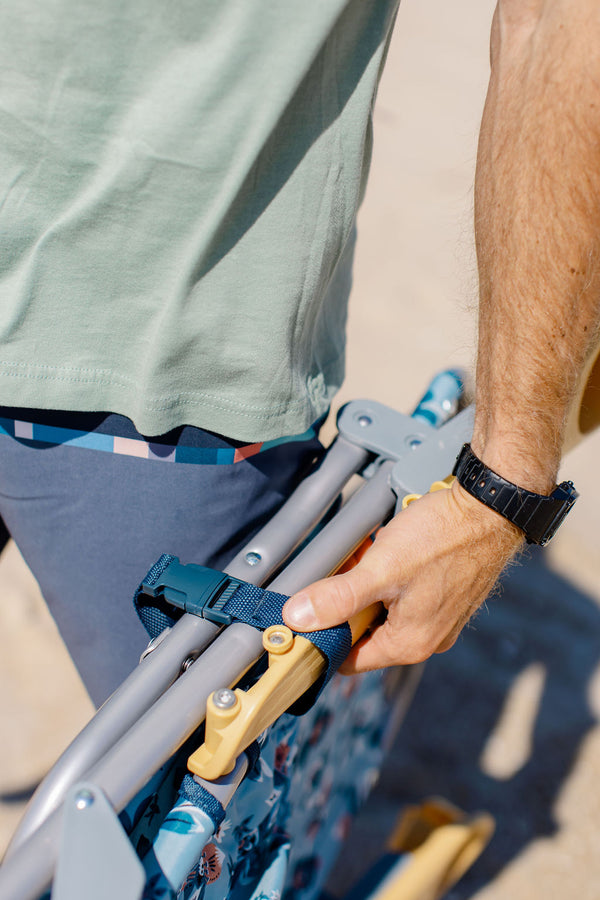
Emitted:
pixel 300 613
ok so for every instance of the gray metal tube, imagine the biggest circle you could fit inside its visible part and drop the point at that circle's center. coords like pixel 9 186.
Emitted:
pixel 126 768
pixel 174 717
pixel 269 549
pixel 360 516
pixel 129 702
pixel 297 517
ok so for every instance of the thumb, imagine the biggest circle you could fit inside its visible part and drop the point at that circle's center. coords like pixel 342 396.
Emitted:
pixel 331 601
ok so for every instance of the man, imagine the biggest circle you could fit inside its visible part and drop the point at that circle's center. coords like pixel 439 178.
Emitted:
pixel 152 181
pixel 277 225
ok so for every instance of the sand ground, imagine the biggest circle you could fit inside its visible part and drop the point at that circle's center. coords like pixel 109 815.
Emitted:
pixel 508 720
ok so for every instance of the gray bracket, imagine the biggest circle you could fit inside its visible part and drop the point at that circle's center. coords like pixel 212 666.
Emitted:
pixel 422 453
pixel 96 859
pixel 434 458
pixel 382 430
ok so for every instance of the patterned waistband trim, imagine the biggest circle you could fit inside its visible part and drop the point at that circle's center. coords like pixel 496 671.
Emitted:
pixel 36 435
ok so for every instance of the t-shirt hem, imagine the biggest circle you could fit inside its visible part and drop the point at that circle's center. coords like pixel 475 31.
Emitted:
pixel 238 421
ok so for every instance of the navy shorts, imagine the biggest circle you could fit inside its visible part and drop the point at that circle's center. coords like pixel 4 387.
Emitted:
pixel 92 504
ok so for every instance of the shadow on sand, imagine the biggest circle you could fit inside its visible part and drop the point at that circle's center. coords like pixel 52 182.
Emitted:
pixel 542 622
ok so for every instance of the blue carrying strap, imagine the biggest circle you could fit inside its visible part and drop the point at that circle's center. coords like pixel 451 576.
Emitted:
pixel 195 793
pixel 170 586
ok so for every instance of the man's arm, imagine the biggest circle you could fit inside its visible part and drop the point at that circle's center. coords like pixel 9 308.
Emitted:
pixel 537 207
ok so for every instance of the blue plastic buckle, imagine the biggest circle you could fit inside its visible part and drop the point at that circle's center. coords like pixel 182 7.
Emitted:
pixel 194 589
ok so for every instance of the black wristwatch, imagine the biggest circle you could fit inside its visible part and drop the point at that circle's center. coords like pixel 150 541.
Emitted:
pixel 537 515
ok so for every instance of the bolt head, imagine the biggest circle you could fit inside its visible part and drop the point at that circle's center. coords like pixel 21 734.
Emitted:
pixel 365 421
pixel 83 799
pixel 224 698
pixel 253 558
pixel 276 637
pixel 187 663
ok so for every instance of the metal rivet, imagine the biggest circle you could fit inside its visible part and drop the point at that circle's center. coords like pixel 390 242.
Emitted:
pixel 224 698
pixel 364 421
pixel 253 558
pixel 276 637
pixel 83 799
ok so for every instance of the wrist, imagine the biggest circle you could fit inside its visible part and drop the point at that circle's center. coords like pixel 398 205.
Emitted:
pixel 531 464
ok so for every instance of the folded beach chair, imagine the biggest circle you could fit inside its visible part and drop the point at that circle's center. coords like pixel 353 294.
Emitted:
pixel 229 764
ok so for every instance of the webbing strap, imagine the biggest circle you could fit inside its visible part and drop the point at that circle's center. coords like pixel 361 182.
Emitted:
pixel 195 793
pixel 223 599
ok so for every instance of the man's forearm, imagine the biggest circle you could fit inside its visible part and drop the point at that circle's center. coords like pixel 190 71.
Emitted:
pixel 538 241
pixel 537 211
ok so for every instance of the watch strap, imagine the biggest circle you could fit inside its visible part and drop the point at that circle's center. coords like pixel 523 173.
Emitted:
pixel 537 515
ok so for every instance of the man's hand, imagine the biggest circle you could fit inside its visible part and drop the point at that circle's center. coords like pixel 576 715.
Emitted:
pixel 431 567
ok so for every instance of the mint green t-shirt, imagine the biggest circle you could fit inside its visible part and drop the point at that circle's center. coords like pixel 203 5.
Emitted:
pixel 178 189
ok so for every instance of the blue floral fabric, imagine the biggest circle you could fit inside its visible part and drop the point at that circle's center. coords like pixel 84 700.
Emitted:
pixel 285 824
